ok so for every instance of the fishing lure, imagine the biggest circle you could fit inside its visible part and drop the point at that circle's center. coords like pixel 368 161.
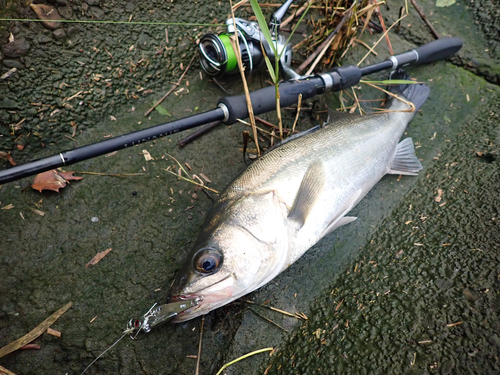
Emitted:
pixel 155 315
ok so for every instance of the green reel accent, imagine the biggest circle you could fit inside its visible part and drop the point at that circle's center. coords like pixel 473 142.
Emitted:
pixel 232 62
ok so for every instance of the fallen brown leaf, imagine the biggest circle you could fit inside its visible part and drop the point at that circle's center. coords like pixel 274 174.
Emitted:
pixel 8 157
pixel 53 180
pixel 97 258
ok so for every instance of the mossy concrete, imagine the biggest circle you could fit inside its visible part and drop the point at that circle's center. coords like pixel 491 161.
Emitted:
pixel 150 220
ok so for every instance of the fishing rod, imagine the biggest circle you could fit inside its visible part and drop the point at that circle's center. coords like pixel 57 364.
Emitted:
pixel 229 109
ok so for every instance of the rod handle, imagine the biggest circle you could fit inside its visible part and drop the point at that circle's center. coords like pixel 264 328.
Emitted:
pixel 438 50
pixel 430 52
pixel 264 100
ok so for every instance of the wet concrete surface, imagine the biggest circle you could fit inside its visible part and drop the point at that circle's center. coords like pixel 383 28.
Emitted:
pixel 379 293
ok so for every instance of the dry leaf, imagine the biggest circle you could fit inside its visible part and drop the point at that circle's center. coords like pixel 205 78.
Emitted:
pixel 97 258
pixel 41 213
pixel 53 180
pixel 53 332
pixel 147 155
pixel 439 196
pixel 8 207
pixel 8 157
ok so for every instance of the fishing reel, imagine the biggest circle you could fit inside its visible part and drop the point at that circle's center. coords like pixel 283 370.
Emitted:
pixel 218 58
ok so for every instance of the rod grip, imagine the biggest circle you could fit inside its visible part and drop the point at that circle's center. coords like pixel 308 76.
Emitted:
pixel 264 100
pixel 438 50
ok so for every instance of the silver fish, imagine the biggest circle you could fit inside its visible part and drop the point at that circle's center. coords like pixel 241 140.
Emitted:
pixel 289 199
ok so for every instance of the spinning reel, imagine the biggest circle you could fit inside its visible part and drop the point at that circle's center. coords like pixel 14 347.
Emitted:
pixel 217 56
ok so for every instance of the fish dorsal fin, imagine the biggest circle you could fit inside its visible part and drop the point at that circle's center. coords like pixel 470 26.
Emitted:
pixel 295 136
pixel 310 188
pixel 334 115
pixel 341 219
pixel 405 161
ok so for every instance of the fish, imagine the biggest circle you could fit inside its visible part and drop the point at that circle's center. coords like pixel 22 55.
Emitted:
pixel 290 198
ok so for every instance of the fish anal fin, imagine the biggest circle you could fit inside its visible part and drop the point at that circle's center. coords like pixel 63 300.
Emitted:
pixel 310 189
pixel 341 219
pixel 405 161
pixel 337 224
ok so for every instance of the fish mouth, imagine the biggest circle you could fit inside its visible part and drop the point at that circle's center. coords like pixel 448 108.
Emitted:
pixel 208 298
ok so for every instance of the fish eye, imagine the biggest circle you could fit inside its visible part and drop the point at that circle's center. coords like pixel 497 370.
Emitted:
pixel 207 260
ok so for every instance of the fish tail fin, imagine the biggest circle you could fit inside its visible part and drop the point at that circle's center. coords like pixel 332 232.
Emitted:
pixel 417 93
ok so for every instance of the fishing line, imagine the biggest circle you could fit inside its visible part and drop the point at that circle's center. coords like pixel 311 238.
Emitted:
pixel 100 355
pixel 117 22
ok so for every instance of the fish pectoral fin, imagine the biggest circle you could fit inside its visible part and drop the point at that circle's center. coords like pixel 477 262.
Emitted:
pixel 310 189
pixel 405 161
pixel 342 219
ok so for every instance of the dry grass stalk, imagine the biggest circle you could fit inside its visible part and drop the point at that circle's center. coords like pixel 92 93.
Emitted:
pixel 411 106
pixel 298 113
pixel 383 36
pixel 235 45
pixel 188 179
pixel 36 332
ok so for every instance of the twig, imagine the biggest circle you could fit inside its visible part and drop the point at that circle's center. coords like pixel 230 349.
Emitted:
pixel 408 103
pixel 191 180
pixel 365 45
pixel 259 129
pixel 269 320
pixel 382 23
pixel 274 309
pixel 241 3
pixel 112 174
pixel 236 48
pixel 199 347
pixel 324 46
pixel 269 125
pixel 298 112
pixel 199 133
pixel 173 87
pixel 37 331
pixel 422 15
pixel 378 41
pixel 295 14
pixel 357 101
